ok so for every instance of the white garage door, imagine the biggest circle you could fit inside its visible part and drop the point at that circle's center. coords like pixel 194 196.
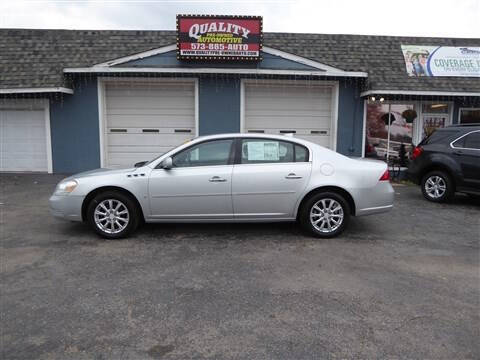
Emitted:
pixel 23 140
pixel 144 120
pixel 303 108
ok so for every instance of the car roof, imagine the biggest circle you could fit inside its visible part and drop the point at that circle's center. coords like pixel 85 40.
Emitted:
pixel 257 135
pixel 461 126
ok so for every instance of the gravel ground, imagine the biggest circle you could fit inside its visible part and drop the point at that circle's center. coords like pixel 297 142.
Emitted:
pixel 404 284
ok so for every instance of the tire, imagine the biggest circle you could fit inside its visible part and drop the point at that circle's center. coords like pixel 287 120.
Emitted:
pixel 124 219
pixel 312 210
pixel 437 186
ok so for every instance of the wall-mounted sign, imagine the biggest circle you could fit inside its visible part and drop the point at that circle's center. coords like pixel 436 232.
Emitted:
pixel 442 60
pixel 202 37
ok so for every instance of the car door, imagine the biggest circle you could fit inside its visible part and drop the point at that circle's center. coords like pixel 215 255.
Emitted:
pixel 467 152
pixel 269 175
pixel 198 186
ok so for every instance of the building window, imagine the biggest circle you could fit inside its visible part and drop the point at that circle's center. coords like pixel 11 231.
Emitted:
pixel 469 116
pixel 434 116
pixel 389 134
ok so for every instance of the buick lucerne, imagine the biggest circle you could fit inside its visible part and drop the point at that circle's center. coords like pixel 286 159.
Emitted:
pixel 229 178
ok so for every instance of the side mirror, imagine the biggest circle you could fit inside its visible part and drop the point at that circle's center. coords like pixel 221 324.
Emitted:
pixel 167 163
pixel 140 163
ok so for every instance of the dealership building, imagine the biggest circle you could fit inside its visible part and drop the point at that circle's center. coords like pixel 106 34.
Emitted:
pixel 75 100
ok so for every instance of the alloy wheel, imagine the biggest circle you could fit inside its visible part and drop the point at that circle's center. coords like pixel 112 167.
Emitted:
pixel 435 187
pixel 326 215
pixel 111 216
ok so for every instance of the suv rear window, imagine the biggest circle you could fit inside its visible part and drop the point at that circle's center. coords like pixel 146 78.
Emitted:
pixel 438 136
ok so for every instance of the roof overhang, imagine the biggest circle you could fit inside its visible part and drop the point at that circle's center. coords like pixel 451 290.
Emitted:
pixel 419 93
pixel 36 90
pixel 112 66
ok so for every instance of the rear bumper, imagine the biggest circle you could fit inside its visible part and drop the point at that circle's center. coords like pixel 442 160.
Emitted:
pixel 67 207
pixel 376 200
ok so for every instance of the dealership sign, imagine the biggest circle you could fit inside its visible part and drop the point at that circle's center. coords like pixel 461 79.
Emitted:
pixel 442 60
pixel 219 37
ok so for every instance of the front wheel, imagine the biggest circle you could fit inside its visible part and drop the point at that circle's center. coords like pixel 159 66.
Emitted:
pixel 325 215
pixel 112 215
pixel 437 186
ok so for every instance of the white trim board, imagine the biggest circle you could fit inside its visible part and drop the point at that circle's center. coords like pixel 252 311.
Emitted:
pixel 138 56
pixel 107 70
pixel 36 90
pixel 414 92
pixel 312 63
pixel 329 70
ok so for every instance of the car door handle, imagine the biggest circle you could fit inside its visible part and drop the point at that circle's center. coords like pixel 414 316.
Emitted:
pixel 217 179
pixel 293 176
pixel 458 152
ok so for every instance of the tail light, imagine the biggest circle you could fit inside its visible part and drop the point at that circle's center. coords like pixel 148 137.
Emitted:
pixel 385 176
pixel 417 151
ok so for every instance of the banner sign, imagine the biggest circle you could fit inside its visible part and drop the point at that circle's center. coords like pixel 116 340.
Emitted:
pixel 441 60
pixel 204 37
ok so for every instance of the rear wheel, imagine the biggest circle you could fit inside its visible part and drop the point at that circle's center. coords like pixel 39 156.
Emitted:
pixel 325 215
pixel 112 215
pixel 437 186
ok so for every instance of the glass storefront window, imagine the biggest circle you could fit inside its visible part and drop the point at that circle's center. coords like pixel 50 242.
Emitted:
pixel 384 138
pixel 469 116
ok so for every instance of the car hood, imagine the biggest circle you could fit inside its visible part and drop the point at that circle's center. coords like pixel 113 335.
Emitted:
pixel 101 172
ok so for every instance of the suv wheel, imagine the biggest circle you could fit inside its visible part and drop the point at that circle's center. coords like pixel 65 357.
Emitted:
pixel 437 186
pixel 325 215
pixel 112 215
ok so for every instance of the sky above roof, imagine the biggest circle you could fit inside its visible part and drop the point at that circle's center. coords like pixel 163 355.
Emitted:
pixel 438 18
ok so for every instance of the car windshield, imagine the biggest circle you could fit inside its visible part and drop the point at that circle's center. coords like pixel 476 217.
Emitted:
pixel 173 148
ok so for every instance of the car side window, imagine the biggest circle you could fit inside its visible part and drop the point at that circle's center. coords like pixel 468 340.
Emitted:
pixel 472 141
pixel 301 153
pixel 209 153
pixel 258 151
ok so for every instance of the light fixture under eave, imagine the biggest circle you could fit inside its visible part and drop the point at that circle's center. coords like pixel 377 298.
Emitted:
pixel 436 106
pixel 382 99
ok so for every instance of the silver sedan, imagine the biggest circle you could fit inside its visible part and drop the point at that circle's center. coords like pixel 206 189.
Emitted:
pixel 229 178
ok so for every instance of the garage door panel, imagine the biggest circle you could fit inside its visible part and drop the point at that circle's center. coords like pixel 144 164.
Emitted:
pixel 140 140
pixel 296 122
pixel 287 104
pixel 171 92
pixel 128 159
pixel 148 103
pixel 23 142
pixel 275 107
pixel 150 121
pixel 144 121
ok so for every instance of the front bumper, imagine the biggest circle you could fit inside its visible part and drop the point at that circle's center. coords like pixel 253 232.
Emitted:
pixel 67 207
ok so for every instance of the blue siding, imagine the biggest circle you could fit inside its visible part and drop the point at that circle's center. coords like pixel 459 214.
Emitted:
pixel 219 105
pixel 75 130
pixel 350 119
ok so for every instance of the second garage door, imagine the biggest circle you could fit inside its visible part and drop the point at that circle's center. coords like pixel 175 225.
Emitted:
pixel 304 108
pixel 146 119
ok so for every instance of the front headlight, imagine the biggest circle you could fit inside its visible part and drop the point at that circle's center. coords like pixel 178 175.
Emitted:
pixel 66 187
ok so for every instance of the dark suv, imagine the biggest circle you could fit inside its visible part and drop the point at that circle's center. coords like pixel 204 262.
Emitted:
pixel 447 161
